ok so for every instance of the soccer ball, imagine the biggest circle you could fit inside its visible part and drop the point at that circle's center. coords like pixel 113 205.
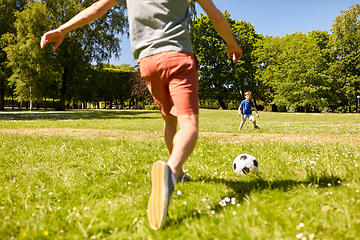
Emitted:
pixel 245 163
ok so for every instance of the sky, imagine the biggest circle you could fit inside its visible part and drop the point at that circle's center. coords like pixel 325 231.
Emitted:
pixel 270 17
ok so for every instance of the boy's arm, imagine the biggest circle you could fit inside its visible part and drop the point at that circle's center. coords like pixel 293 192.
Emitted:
pixel 257 114
pixel 86 16
pixel 239 110
pixel 221 25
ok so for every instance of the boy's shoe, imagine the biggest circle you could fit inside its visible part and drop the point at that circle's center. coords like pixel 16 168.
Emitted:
pixel 184 178
pixel 163 181
pixel 256 127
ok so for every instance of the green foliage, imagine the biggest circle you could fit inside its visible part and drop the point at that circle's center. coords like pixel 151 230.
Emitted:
pixel 317 71
pixel 140 92
pixel 293 67
pixel 298 71
pixel 110 85
pixel 219 79
pixel 345 72
pixel 59 71
pixel 123 66
pixel 32 75
pixel 8 8
pixel 113 84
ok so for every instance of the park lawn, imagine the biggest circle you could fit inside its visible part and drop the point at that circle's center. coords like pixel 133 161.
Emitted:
pixel 86 175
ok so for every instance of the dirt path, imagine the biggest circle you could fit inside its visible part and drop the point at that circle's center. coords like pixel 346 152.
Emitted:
pixel 350 139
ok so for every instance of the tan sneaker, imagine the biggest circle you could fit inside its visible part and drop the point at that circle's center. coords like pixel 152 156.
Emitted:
pixel 162 180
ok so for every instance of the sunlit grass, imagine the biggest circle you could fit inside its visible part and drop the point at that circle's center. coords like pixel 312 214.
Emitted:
pixel 211 121
pixel 86 175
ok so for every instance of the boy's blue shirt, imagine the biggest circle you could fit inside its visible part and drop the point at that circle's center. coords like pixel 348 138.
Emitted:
pixel 246 107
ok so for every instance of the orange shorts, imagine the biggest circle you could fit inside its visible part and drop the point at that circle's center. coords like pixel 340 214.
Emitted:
pixel 172 80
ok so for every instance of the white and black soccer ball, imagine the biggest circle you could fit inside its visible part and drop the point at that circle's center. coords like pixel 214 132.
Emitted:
pixel 245 163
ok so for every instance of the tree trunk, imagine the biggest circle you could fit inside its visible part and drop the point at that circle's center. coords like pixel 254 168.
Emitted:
pixel 349 106
pixel 222 104
pixel 31 103
pixel 274 108
pixel 254 100
pixel 64 91
pixel 2 99
pixel 12 100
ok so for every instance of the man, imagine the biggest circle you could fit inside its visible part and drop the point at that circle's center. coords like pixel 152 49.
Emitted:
pixel 161 44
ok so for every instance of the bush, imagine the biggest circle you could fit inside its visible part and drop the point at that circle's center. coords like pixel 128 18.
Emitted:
pixel 291 109
pixel 340 110
pixel 151 106
pixel 325 109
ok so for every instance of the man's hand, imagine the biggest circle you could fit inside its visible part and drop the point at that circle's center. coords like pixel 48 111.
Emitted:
pixel 56 36
pixel 234 53
pixel 221 25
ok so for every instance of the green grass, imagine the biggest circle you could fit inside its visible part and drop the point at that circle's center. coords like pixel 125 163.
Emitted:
pixel 86 175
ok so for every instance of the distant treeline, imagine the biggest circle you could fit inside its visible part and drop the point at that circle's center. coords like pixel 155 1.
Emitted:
pixel 313 72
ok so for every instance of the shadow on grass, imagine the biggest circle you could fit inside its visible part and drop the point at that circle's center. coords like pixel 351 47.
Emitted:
pixel 79 114
pixel 244 189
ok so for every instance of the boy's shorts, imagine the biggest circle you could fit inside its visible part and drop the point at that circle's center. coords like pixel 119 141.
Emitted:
pixel 172 80
pixel 250 116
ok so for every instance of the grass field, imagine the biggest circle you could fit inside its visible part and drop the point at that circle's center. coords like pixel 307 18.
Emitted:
pixel 86 175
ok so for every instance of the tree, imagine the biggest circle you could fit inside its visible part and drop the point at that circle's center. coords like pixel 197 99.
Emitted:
pixel 293 68
pixel 244 75
pixel 220 79
pixel 32 73
pixel 112 85
pixel 8 8
pixel 139 89
pixel 266 54
pixel 346 69
pixel 95 42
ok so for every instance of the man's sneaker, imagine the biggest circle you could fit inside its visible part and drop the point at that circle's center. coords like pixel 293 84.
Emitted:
pixel 184 178
pixel 256 127
pixel 162 180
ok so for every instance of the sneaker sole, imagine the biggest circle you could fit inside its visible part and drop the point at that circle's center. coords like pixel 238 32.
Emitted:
pixel 158 202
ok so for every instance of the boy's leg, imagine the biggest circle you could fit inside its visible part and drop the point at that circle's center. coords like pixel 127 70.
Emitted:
pixel 243 119
pixel 241 124
pixel 254 122
pixel 252 118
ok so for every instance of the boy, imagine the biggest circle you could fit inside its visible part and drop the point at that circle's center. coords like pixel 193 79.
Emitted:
pixel 160 42
pixel 245 110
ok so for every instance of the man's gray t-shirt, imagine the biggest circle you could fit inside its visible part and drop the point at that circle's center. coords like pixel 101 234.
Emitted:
pixel 158 26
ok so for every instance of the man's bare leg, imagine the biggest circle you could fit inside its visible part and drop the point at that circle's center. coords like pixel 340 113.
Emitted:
pixel 170 128
pixel 183 141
